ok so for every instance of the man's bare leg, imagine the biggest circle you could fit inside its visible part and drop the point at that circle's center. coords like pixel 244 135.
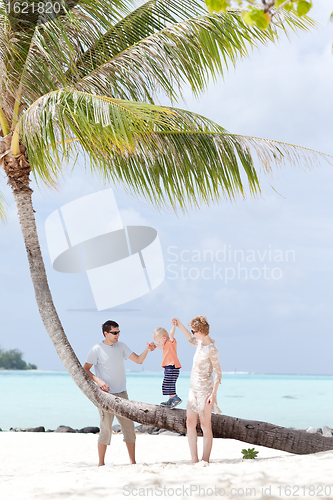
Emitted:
pixel 131 452
pixel 101 453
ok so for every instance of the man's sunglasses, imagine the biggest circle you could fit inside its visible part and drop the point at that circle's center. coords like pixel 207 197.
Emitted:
pixel 193 332
pixel 115 333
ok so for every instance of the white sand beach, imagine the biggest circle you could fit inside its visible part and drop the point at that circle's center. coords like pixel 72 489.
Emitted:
pixel 59 466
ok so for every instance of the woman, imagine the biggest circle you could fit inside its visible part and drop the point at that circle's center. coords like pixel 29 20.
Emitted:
pixel 202 396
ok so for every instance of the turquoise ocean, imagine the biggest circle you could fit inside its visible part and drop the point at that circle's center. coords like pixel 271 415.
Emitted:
pixel 50 399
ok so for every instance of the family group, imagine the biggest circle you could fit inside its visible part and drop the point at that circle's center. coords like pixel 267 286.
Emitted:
pixel 108 357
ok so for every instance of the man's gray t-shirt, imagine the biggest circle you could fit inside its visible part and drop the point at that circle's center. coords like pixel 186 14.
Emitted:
pixel 109 364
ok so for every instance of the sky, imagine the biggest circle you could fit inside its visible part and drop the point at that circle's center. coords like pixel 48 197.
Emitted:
pixel 269 301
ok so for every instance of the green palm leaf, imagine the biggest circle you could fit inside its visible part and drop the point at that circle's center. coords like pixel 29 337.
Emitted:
pixel 151 17
pixel 168 155
pixel 33 56
pixel 163 44
pixel 191 51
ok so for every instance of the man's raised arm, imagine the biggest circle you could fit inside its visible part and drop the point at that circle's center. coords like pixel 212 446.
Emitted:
pixel 139 359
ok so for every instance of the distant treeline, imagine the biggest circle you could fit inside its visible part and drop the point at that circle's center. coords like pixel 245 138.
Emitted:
pixel 12 360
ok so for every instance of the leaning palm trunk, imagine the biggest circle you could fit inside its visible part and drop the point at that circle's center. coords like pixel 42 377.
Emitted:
pixel 269 435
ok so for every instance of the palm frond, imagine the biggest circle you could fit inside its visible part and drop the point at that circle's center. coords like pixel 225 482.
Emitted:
pixel 189 168
pixel 189 52
pixel 69 114
pixel 162 45
pixel 169 156
pixel 149 18
pixel 35 50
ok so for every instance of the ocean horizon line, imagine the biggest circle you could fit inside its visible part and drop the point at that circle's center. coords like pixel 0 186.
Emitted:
pixel 148 372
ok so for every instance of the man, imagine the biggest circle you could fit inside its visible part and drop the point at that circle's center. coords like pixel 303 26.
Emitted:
pixel 108 359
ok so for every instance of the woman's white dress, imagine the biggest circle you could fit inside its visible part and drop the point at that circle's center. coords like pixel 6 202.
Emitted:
pixel 205 361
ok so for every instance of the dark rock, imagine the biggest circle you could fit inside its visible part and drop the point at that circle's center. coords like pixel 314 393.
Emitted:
pixel 156 430
pixel 173 433
pixel 142 428
pixel 150 429
pixel 90 430
pixel 49 430
pixel 169 433
pixel 29 429
pixel 64 428
pixel 116 428
pixel 147 429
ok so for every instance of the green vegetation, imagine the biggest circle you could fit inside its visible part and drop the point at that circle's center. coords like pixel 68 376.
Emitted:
pixel 12 360
pixel 261 12
pixel 249 453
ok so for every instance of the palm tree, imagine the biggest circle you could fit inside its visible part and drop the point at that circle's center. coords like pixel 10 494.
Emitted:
pixel 84 81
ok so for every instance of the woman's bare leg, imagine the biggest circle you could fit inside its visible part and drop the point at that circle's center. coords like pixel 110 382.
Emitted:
pixel 206 426
pixel 191 424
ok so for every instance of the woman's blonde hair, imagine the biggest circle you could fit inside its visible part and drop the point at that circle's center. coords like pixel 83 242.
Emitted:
pixel 200 324
pixel 159 331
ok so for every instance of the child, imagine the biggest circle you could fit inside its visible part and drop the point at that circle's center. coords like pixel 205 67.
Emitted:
pixel 202 396
pixel 170 364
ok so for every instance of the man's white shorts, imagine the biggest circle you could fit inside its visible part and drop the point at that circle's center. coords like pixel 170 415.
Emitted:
pixel 106 419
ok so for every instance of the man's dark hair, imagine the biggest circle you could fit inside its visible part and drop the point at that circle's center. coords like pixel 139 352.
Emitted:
pixel 106 327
